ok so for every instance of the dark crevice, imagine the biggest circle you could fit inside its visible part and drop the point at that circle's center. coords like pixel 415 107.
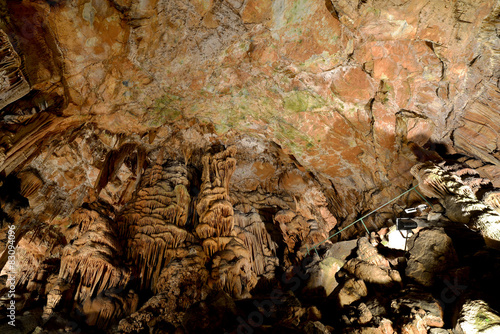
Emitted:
pixel 474 60
pixel 331 9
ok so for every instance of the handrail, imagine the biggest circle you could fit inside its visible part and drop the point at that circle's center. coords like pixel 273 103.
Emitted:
pixel 361 219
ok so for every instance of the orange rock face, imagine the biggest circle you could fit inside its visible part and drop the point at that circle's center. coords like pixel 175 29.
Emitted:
pixel 303 74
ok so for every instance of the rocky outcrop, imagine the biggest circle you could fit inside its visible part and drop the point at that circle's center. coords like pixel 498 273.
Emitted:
pixel 108 306
pixel 459 200
pixel 423 266
pixel 371 267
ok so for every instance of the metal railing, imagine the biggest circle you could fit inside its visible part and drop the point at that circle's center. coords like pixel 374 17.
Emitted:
pixel 361 219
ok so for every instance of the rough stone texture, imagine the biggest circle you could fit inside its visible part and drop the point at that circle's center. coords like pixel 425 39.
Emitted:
pixel 422 306
pixel 370 266
pixel 315 327
pixel 13 85
pixel 477 317
pixel 322 277
pixel 431 252
pixel 459 200
pixel 213 143
pixel 351 291
pixel 342 87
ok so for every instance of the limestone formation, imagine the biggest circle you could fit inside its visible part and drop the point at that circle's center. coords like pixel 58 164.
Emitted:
pixel 423 265
pixel 153 222
pixel 54 297
pixel 33 266
pixel 181 283
pixel 371 267
pixel 163 161
pixel 294 229
pixel 92 257
pixel 459 200
pixel 108 306
pixel 231 260
pixel 251 229
pixel 477 317
pixel 352 290
pixel 13 85
pixel 89 264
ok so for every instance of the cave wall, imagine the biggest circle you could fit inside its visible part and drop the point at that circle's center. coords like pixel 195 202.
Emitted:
pixel 226 137
pixel 340 86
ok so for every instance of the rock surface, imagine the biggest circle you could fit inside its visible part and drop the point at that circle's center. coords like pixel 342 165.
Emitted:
pixel 423 264
pixel 163 159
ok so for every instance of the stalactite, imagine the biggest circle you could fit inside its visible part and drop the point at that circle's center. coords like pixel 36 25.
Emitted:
pixel 13 85
pixel 153 222
pixel 31 182
pixel 112 164
pixel 91 258
pixel 252 231
pixel 231 260
pixel 54 298
pixel 31 252
pixel 294 228
pixel 459 200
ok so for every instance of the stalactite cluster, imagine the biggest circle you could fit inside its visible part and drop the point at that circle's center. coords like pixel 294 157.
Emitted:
pixel 458 198
pixel 482 187
pixel 13 85
pixel 153 221
pixel 251 229
pixel 181 283
pixel 32 266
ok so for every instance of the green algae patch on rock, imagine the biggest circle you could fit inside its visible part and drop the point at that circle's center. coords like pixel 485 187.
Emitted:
pixel 298 101
pixel 165 109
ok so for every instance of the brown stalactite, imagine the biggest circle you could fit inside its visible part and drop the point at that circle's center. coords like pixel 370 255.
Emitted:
pixel 153 221
pixel 91 258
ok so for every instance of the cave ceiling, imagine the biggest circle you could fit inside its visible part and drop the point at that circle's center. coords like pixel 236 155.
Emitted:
pixel 197 145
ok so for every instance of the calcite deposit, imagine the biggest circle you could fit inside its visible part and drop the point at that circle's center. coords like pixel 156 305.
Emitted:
pixel 459 199
pixel 189 166
pixel 13 84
